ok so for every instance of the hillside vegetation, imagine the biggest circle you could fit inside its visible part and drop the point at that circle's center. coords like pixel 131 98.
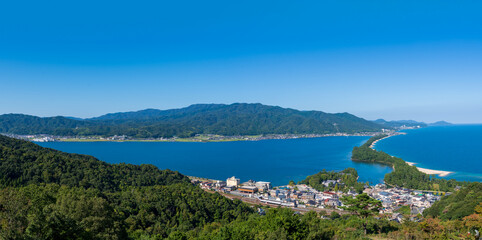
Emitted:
pixel 25 163
pixel 348 180
pixel 47 194
pixel 228 120
pixel 460 204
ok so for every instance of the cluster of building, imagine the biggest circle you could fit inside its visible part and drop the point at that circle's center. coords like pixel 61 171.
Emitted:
pixel 197 138
pixel 33 138
pixel 304 196
pixel 394 198
pixel 300 196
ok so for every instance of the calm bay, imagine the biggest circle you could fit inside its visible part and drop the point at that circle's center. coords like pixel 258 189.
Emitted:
pixel 277 161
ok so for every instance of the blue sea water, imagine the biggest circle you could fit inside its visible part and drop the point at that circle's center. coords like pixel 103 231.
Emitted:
pixel 277 161
pixel 455 148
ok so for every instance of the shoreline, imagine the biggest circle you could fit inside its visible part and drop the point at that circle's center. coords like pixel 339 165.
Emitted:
pixel 390 135
pixel 440 173
pixel 200 138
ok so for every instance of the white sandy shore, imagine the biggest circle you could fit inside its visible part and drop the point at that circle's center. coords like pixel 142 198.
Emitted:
pixel 424 170
pixel 395 134
pixel 431 171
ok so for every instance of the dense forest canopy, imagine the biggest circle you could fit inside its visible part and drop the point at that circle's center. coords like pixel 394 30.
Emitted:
pixel 460 204
pixel 24 163
pixel 74 196
pixel 348 179
pixel 228 120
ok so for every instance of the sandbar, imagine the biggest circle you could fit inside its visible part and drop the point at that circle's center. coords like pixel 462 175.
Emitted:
pixel 431 171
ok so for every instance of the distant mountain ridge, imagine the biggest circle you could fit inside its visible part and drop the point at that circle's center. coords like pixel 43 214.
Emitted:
pixel 229 120
pixel 400 123
pixel 440 123
pixel 409 123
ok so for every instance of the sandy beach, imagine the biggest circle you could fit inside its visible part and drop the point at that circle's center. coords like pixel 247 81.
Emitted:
pixel 431 171
pixel 374 142
pixel 395 134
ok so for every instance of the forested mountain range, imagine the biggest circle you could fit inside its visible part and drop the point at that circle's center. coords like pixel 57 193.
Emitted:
pixel 228 120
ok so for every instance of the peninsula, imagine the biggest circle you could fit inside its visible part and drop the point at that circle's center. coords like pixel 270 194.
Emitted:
pixel 403 174
pixel 424 170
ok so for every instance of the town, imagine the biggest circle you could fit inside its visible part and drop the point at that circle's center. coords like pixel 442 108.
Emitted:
pixel 303 198
pixel 196 138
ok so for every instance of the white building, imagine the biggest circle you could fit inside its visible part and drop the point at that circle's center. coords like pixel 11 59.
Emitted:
pixel 263 186
pixel 232 182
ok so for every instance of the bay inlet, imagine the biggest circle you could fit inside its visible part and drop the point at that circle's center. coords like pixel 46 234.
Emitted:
pixel 276 161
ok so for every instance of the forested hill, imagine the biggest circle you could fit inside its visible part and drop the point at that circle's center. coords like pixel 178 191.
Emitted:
pixel 24 163
pixel 229 120
pixel 462 203
pixel 47 194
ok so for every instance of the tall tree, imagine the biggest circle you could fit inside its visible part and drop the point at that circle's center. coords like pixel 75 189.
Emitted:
pixel 363 206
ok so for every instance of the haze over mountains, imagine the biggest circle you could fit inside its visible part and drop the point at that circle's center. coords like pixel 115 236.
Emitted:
pixel 222 119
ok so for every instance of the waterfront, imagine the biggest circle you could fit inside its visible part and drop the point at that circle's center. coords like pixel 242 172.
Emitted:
pixel 456 148
pixel 276 161
pixel 304 198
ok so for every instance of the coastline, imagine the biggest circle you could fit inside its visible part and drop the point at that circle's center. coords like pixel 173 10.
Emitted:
pixel 390 135
pixel 440 173
pixel 198 138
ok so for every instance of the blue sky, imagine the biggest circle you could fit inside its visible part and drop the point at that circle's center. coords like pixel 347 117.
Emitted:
pixel 417 60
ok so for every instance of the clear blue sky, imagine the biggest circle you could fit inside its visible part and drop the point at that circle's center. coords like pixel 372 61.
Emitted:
pixel 417 60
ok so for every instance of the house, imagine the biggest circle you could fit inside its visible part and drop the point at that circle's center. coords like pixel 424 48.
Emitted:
pixel 397 217
pixel 263 186
pixel 261 212
pixel 329 183
pixel 329 194
pixel 250 183
pixel 273 192
pixel 220 184
pixel 332 202
pixel 308 196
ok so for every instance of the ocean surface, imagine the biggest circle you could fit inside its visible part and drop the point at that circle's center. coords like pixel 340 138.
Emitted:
pixel 455 148
pixel 276 161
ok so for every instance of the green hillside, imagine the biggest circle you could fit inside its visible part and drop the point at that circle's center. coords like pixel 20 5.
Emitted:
pixel 228 120
pixel 47 194
pixel 458 205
